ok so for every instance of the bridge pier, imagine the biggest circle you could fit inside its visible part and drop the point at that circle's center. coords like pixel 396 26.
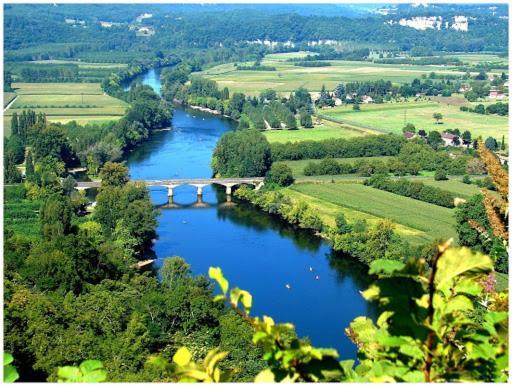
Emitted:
pixel 170 191
pixel 199 189
pixel 229 188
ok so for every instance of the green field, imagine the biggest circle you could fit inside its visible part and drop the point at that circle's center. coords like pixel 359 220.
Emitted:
pixel 298 166
pixel 288 77
pixel 8 97
pixel 22 217
pixel 79 63
pixel 326 130
pixel 391 117
pixel 454 185
pixel 57 88
pixel 417 221
pixel 64 102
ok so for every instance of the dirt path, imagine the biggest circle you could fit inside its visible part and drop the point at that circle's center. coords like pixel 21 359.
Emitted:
pixel 10 103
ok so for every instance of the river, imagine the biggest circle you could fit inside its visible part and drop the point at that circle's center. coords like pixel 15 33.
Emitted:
pixel 256 251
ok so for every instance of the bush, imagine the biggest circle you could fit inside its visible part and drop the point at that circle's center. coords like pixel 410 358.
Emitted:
pixel 280 174
pixel 440 175
pixel 466 179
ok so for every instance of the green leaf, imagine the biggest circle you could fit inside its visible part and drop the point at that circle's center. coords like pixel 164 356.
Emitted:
pixel 412 350
pixel 8 359
pixel 215 273
pixel 414 377
pixel 182 357
pixel 458 303
pixel 90 365
pixel 469 287
pixel 265 376
pixel 457 261
pixel 10 374
pixel 69 374
pixel 384 266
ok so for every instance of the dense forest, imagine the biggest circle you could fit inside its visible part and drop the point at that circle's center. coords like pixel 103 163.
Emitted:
pixel 40 31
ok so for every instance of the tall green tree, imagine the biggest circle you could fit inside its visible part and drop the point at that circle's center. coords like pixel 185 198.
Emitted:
pixel 14 124
pixel 55 217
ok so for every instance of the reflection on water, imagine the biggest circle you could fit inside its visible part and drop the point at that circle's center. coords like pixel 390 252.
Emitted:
pixel 256 251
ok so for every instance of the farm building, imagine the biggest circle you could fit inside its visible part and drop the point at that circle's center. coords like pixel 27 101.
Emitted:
pixel 409 135
pixel 450 139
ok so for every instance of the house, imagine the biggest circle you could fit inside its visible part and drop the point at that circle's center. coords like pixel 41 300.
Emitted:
pixel 420 94
pixel 450 139
pixel 409 135
pixel 145 31
pixel 349 97
pixel 465 88
pixel 337 102
pixel 367 99
pixel 494 93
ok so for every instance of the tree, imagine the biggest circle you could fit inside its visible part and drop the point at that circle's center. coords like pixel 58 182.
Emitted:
pixel 29 166
pixel 356 107
pixel 173 270
pixel 305 120
pixel 290 122
pixel 342 226
pixel 14 146
pixel 11 173
pixel 479 109
pixel 422 133
pixel 14 124
pixel 466 137
pixel 434 139
pixel 491 144
pixel 68 185
pixel 466 179
pixel 438 117
pixel 280 174
pixel 55 217
pixel 409 127
pixel 113 174
pixel 503 147
pixel 242 153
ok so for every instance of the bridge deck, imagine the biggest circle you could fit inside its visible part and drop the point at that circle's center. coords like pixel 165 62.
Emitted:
pixel 182 181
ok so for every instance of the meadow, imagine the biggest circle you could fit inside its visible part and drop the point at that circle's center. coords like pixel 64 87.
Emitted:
pixel 64 102
pixel 8 97
pixel 391 117
pixel 325 130
pixel 417 221
pixel 288 77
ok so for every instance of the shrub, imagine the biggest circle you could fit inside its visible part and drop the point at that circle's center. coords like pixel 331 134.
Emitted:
pixel 279 174
pixel 440 175
pixel 466 179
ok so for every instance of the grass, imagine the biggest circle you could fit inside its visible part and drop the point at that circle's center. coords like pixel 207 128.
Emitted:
pixel 454 185
pixel 326 130
pixel 79 63
pixel 288 77
pixel 64 102
pixel 298 166
pixel 8 97
pixel 22 216
pixel 417 221
pixel 57 88
pixel 391 117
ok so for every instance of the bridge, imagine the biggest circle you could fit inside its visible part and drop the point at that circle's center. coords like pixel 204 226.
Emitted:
pixel 199 183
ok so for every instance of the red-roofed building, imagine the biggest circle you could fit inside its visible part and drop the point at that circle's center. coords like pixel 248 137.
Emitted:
pixel 409 135
pixel 450 139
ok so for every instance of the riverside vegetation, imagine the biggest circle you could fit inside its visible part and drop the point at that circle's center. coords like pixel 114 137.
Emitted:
pixel 77 309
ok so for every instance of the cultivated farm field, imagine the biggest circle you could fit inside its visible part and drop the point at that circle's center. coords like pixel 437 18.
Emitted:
pixel 391 117
pixel 326 130
pixel 288 77
pixel 418 221
pixel 64 102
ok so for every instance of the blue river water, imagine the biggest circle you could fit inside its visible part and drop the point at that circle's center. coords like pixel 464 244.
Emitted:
pixel 256 251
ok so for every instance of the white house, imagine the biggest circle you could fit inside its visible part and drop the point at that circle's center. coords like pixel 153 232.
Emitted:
pixel 450 139
pixel 367 99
